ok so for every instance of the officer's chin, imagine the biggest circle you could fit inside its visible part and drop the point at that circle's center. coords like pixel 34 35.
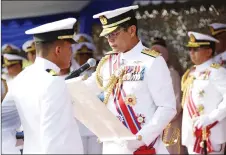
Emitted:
pixel 115 49
pixel 66 66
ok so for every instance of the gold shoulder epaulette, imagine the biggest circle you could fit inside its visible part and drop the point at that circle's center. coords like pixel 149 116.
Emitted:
pixel 150 52
pixel 215 65
pixel 110 53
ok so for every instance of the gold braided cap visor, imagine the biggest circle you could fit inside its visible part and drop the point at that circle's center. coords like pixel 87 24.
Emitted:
pixel 197 44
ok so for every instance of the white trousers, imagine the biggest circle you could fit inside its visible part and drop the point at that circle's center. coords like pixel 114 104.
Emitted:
pixel 218 149
pixel 91 146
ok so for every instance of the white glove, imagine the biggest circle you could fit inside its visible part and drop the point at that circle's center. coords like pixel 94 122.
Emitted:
pixel 202 121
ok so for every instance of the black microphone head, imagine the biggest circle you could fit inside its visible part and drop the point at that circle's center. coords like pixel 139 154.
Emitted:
pixel 91 62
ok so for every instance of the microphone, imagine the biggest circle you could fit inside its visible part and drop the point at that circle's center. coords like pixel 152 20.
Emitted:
pixel 90 63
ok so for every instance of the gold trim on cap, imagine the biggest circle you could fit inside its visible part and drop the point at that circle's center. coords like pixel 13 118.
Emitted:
pixel 217 31
pixel 30 49
pixel 107 31
pixel 197 44
pixel 117 23
pixel 9 63
pixel 82 39
pixel 65 37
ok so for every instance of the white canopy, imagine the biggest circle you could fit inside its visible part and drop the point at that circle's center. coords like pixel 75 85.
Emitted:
pixel 156 2
pixel 21 9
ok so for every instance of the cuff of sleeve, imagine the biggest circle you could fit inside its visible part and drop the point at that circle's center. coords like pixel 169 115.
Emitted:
pixel 146 139
pixel 213 116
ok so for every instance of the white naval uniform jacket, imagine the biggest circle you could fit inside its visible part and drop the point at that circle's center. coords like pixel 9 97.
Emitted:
pixel 213 98
pixel 45 111
pixel 221 59
pixel 155 99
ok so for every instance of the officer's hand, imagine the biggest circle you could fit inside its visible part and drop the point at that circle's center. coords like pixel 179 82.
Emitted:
pixel 202 121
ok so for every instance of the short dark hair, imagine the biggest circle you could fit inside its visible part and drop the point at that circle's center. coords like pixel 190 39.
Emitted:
pixel 43 48
pixel 213 47
pixel 126 25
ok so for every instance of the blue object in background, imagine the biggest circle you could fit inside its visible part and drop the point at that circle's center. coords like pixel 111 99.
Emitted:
pixel 13 30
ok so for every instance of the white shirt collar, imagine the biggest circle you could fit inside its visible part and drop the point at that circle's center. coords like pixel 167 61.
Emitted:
pixel 221 55
pixel 46 64
pixel 135 50
pixel 204 65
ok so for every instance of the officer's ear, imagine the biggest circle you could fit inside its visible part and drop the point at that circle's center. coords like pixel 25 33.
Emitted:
pixel 58 47
pixel 132 30
pixel 57 50
pixel 209 52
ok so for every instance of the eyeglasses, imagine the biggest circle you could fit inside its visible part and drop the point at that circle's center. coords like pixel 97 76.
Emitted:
pixel 114 34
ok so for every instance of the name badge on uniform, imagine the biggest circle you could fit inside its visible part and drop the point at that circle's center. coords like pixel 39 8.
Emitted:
pixel 134 73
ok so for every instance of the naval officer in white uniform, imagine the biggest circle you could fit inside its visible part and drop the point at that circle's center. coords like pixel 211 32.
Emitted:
pixel 39 100
pixel 204 98
pixel 131 75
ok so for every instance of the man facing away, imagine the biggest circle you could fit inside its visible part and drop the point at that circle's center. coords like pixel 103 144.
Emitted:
pixel 130 75
pixel 204 98
pixel 41 99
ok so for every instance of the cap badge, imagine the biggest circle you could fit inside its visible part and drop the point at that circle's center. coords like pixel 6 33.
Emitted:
pixel 82 39
pixel 84 49
pixel 192 38
pixel 103 20
pixel 212 30
pixel 8 49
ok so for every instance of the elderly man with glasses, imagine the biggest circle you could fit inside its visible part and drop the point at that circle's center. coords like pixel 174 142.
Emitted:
pixel 204 99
